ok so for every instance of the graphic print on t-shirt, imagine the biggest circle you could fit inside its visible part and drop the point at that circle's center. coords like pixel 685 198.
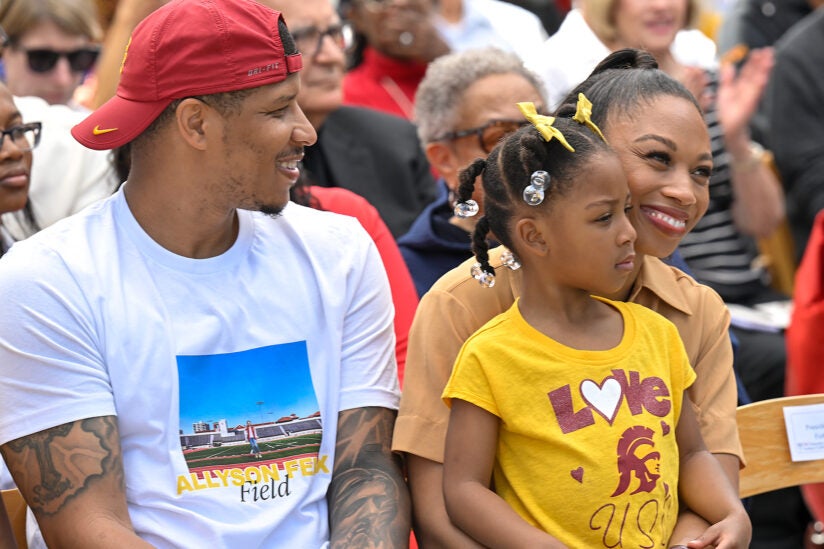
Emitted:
pixel 627 500
pixel 249 421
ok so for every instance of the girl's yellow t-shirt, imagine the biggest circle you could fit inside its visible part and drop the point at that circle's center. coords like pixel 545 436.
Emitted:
pixel 586 448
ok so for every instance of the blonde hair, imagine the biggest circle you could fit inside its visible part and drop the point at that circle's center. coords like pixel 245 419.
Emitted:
pixel 600 16
pixel 76 17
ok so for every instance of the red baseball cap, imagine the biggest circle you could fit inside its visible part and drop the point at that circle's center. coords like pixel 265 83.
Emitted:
pixel 187 48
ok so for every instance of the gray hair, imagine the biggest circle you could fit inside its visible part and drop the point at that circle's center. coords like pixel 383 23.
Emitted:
pixel 441 91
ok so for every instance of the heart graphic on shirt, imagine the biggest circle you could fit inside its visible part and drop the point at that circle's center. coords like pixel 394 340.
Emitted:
pixel 603 398
pixel 665 428
pixel 578 474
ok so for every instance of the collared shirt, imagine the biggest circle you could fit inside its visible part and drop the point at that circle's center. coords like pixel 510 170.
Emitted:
pixel 457 306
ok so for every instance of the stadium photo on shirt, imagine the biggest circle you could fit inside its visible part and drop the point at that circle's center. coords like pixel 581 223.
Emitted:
pixel 259 423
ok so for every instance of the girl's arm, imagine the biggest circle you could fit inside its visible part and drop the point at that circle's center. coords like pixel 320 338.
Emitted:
pixel 706 490
pixel 472 506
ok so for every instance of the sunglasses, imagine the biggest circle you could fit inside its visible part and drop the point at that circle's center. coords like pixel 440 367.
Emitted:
pixel 44 60
pixel 310 39
pixel 489 135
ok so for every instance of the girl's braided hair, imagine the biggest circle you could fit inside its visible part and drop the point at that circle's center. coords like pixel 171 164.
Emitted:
pixel 508 171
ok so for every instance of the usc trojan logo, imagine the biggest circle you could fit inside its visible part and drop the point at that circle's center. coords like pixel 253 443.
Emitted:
pixel 633 458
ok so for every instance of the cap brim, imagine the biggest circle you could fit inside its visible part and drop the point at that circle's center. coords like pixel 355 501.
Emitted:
pixel 117 122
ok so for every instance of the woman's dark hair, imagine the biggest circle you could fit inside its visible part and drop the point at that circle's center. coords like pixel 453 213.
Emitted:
pixel 621 82
pixel 508 171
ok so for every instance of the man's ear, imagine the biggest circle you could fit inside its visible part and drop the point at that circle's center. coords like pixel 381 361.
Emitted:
pixel 529 237
pixel 193 119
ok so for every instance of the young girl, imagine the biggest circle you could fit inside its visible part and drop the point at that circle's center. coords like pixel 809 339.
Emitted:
pixel 568 404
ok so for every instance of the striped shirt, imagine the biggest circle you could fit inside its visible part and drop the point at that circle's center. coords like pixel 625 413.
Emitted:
pixel 718 254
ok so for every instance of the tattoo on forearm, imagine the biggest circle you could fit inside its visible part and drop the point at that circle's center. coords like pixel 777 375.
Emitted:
pixel 60 463
pixel 368 498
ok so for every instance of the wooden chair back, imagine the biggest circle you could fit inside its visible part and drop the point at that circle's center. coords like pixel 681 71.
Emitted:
pixel 16 509
pixel 766 448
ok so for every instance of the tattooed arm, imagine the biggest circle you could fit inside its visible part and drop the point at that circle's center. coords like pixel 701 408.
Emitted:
pixel 72 478
pixel 368 498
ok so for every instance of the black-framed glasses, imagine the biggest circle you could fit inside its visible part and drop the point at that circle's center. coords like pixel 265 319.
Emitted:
pixel 42 60
pixel 310 39
pixel 25 136
pixel 489 135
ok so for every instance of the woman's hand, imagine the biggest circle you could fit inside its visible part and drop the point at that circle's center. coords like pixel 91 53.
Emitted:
pixel 739 92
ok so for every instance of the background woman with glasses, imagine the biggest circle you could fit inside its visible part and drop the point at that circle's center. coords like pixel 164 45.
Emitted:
pixel 51 47
pixel 16 143
pixel 464 106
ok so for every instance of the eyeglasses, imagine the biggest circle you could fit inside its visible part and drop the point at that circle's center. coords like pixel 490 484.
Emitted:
pixel 310 39
pixel 489 135
pixel 44 60
pixel 25 137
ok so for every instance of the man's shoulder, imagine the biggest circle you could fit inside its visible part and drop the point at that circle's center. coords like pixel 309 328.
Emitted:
pixel 320 229
pixel 67 246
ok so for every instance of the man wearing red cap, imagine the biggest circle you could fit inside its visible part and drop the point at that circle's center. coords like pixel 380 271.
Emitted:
pixel 138 331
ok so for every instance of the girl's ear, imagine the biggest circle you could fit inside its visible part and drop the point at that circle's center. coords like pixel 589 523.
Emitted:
pixel 529 238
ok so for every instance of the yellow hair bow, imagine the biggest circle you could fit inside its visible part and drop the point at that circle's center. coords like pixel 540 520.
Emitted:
pixel 543 124
pixel 583 115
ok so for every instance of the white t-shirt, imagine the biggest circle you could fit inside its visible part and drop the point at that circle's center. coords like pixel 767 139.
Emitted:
pixel 287 328
pixel 568 56
pixel 494 23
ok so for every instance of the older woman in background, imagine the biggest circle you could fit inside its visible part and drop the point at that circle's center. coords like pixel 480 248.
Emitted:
pixel 465 104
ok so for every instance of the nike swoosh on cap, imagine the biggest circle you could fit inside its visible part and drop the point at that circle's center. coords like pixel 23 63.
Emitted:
pixel 97 130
